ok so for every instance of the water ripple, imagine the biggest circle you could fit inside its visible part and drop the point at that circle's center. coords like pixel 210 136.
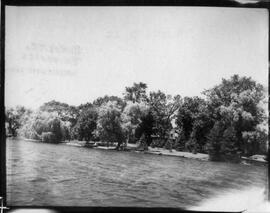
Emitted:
pixel 48 174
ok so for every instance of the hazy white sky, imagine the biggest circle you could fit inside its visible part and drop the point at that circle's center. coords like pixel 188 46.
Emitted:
pixel 76 54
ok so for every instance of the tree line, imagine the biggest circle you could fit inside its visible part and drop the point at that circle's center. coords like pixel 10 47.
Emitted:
pixel 227 122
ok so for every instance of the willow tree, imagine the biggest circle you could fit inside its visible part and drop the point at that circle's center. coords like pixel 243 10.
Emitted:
pixel 163 108
pixel 16 118
pixel 109 123
pixel 238 103
pixel 86 124
pixel 132 117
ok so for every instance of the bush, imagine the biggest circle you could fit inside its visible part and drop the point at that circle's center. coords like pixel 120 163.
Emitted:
pixel 28 133
pixel 256 142
pixel 48 137
pixel 158 142
pixel 192 143
pixel 142 144
pixel 213 145
pixel 169 144
pixel 32 135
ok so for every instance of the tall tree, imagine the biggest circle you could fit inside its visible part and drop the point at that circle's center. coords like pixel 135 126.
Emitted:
pixel 15 117
pixel 109 123
pixel 136 93
pixel 65 112
pixel 190 113
pixel 237 101
pixel 132 117
pixel 164 108
pixel 228 142
pixel 215 137
pixel 86 124
pixel 145 128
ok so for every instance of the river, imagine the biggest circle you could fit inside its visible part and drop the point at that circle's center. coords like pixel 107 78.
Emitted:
pixel 43 174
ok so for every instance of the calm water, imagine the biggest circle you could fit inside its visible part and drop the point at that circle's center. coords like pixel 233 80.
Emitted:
pixel 48 174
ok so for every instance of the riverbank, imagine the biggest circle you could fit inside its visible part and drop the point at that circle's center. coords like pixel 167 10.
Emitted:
pixel 162 151
pixel 133 147
pixel 173 152
pixel 256 159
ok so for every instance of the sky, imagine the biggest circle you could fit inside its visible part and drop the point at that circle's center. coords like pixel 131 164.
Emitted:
pixel 76 54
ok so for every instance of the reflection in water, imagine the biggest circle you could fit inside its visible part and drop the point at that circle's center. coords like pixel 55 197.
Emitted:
pixel 59 175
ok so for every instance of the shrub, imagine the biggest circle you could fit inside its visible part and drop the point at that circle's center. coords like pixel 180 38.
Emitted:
pixel 142 144
pixel 256 142
pixel 168 144
pixel 158 142
pixel 192 143
pixel 48 137
pixel 32 135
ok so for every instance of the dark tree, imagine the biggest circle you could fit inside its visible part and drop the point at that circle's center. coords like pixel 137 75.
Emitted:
pixel 86 124
pixel 195 121
pixel 109 124
pixel 214 141
pixel 229 142
pixel 136 93
pixel 164 108
pixel 146 128
pixel 188 113
pixel 238 102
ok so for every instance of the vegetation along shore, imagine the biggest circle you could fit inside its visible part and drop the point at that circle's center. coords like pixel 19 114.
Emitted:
pixel 228 124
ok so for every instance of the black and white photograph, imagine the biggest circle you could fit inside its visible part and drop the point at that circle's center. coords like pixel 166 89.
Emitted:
pixel 137 107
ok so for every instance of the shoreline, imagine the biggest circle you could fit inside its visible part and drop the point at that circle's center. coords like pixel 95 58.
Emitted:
pixel 132 147
pixel 162 151
pixel 156 151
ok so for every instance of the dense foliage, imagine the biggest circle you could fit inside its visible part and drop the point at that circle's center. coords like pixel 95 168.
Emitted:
pixel 109 122
pixel 194 119
pixel 41 122
pixel 132 119
pixel 228 122
pixel 86 124
pixel 237 102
